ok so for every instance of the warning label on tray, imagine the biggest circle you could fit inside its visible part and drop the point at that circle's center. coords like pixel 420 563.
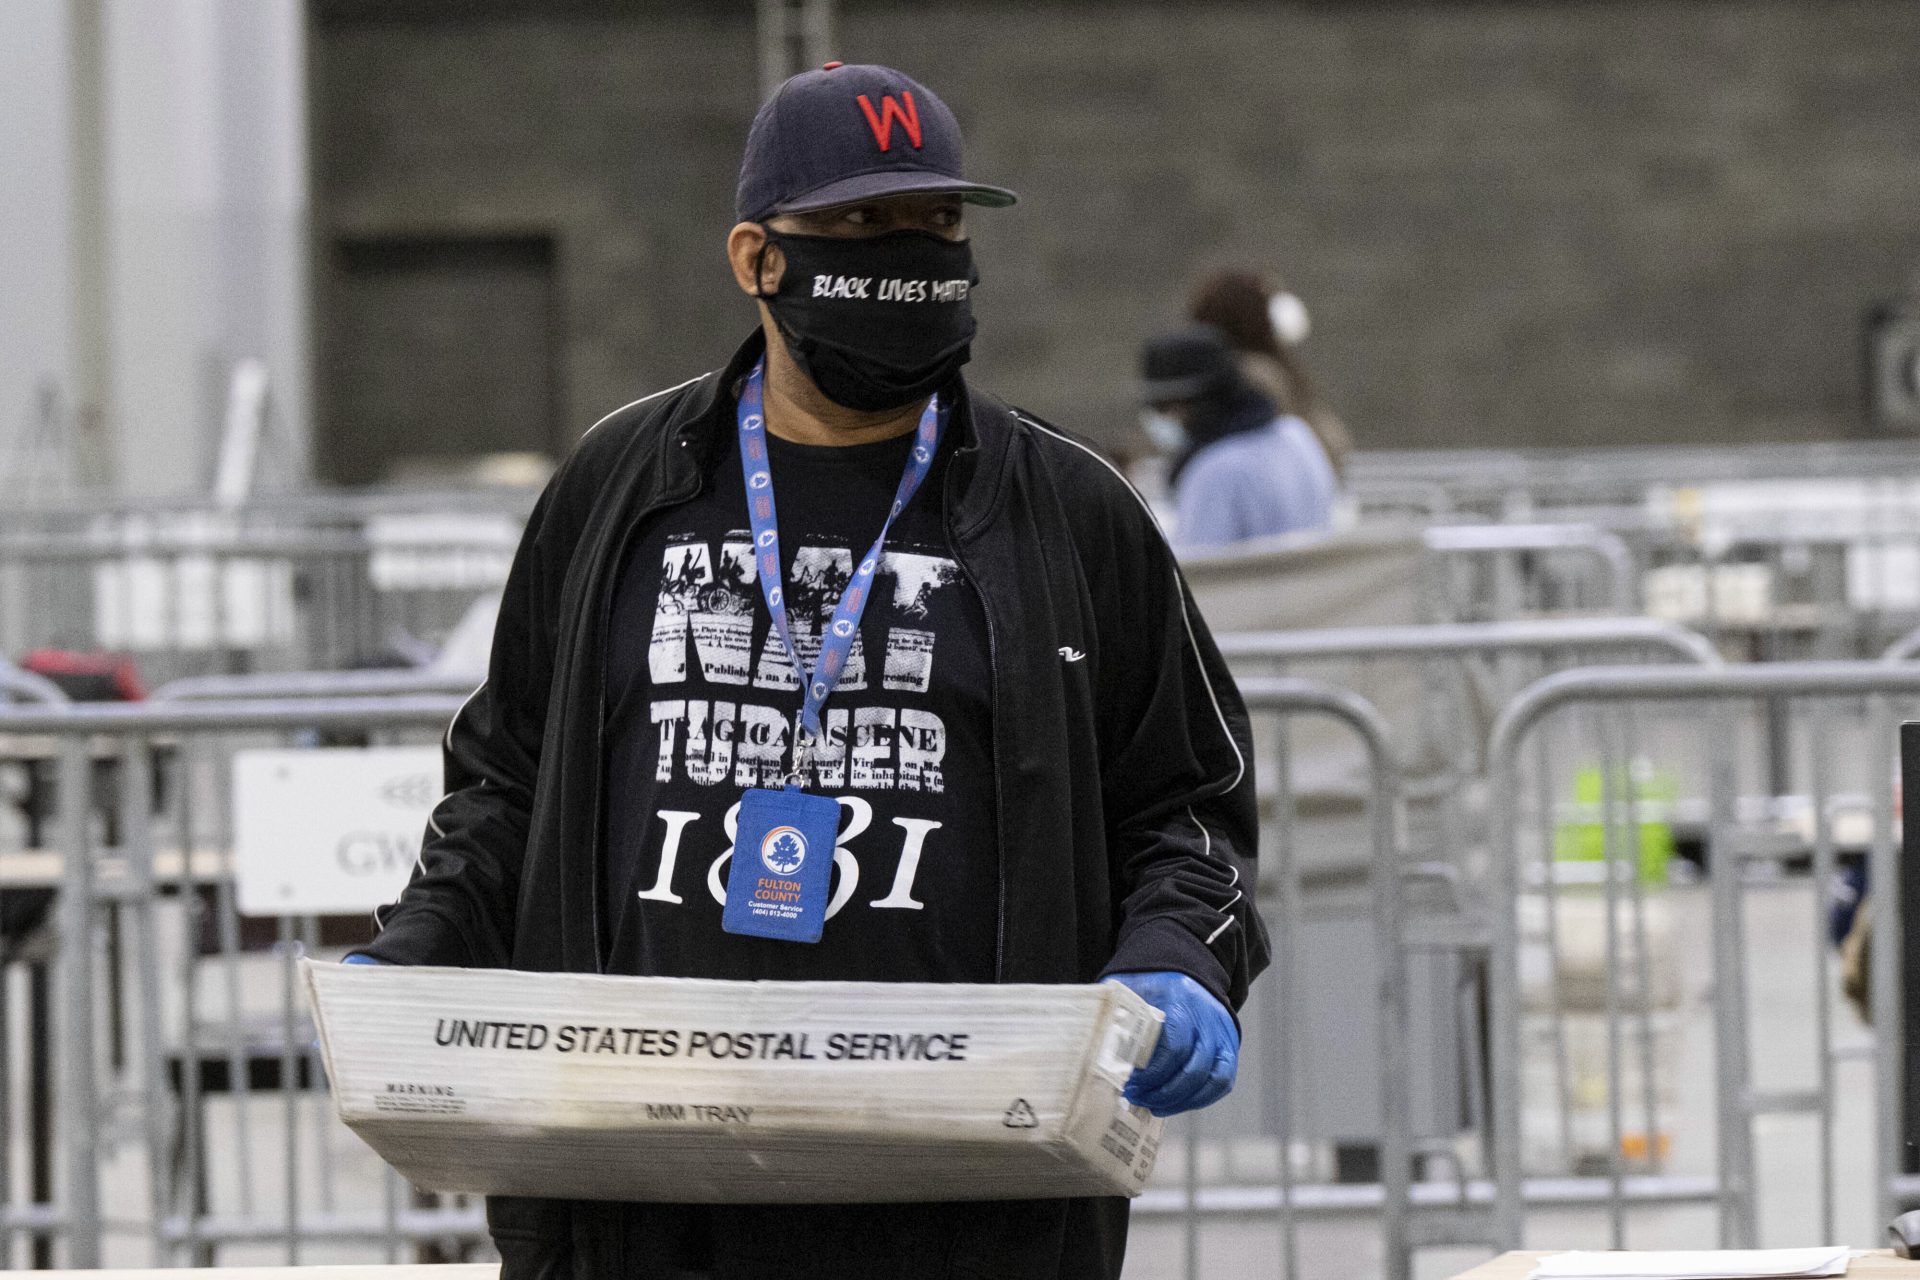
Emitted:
pixel 688 1042
pixel 1121 1140
pixel 419 1099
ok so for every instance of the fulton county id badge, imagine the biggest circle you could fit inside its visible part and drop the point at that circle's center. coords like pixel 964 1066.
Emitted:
pixel 782 862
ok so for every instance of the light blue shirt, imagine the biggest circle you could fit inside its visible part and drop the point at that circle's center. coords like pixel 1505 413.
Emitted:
pixel 1253 485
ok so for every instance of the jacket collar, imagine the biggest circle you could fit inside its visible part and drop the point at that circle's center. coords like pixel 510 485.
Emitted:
pixel 703 423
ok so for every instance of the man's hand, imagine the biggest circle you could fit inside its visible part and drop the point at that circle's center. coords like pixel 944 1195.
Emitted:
pixel 1199 1047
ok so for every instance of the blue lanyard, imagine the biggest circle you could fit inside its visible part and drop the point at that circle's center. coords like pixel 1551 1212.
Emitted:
pixel 841 632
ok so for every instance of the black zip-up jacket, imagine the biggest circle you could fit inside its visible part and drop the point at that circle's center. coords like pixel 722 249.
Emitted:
pixel 1122 761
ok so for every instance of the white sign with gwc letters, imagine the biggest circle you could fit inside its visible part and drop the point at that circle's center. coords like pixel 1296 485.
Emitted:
pixel 332 830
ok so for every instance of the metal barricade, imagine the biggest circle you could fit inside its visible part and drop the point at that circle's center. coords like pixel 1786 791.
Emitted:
pixel 1439 688
pixel 1907 646
pixel 1392 500
pixel 190 593
pixel 1696 1027
pixel 1812 554
pixel 1497 572
pixel 1465 640
pixel 147 1032
pixel 161 877
pixel 1551 483
pixel 190 1109
pixel 1467 668
pixel 17 685
pixel 316 684
pixel 1315 864
pixel 1199 1184
pixel 1791 595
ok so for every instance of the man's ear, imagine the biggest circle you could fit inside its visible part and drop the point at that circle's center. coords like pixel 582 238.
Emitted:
pixel 748 252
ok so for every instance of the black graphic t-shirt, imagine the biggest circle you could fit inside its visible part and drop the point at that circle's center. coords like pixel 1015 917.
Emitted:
pixel 702 700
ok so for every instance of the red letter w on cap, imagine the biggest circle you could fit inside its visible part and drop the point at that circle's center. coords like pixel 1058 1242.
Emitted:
pixel 882 122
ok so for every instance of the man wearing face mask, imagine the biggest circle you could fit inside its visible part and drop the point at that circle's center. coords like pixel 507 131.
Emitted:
pixel 831 598
pixel 1240 468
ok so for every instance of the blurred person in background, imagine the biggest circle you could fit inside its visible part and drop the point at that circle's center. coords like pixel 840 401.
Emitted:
pixel 1240 467
pixel 998 681
pixel 1266 327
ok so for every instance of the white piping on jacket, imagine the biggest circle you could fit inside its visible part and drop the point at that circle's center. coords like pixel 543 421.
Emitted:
pixel 1193 641
pixel 643 399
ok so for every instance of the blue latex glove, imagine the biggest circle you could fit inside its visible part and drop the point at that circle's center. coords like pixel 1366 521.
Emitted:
pixel 1199 1049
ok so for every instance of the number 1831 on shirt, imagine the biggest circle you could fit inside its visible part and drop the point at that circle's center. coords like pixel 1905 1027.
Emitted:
pixel 858 817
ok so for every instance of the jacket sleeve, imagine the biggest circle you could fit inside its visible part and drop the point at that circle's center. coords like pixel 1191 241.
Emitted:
pixel 458 909
pixel 1177 773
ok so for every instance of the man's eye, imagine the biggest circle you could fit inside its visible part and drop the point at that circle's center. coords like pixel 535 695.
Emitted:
pixel 859 217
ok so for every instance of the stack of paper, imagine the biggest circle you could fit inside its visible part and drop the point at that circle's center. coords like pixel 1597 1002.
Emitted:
pixel 577 1086
pixel 1695 1264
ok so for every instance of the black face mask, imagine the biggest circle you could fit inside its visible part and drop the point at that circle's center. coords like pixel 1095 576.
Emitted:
pixel 876 323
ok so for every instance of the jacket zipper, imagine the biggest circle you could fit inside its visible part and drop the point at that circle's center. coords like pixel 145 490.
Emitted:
pixel 621 546
pixel 993 687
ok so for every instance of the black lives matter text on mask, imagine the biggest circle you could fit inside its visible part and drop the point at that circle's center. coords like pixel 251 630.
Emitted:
pixel 890 289
pixel 702 1043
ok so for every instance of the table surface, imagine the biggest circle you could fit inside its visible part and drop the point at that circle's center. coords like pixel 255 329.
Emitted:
pixel 1515 1266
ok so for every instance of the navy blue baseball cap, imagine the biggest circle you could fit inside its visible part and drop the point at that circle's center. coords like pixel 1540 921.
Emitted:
pixel 846 133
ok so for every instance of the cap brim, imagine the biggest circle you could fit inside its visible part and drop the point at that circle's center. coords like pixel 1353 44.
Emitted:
pixel 1174 390
pixel 895 182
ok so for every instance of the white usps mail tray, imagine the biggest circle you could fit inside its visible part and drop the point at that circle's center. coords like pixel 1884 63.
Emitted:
pixel 332 830
pixel 690 1090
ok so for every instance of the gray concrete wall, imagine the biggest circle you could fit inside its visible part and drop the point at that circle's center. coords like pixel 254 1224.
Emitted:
pixel 35 316
pixel 207 235
pixel 153 183
pixel 1563 223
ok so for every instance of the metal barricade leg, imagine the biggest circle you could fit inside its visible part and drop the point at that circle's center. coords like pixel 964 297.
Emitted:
pixel 290 1061
pixel 1889 1006
pixel 40 1106
pixel 1503 999
pixel 1610 780
pixel 1643 956
pixel 1550 899
pixel 1396 1143
pixel 189 1198
pixel 80 1117
pixel 1280 995
pixel 1731 1051
pixel 6 1108
pixel 1824 869
pixel 1190 1180
pixel 1385 870
pixel 136 823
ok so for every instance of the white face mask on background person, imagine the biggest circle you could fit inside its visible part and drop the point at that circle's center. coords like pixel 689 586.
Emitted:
pixel 1288 315
pixel 1168 436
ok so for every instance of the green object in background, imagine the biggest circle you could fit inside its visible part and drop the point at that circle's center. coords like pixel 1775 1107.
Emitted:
pixel 1654 793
